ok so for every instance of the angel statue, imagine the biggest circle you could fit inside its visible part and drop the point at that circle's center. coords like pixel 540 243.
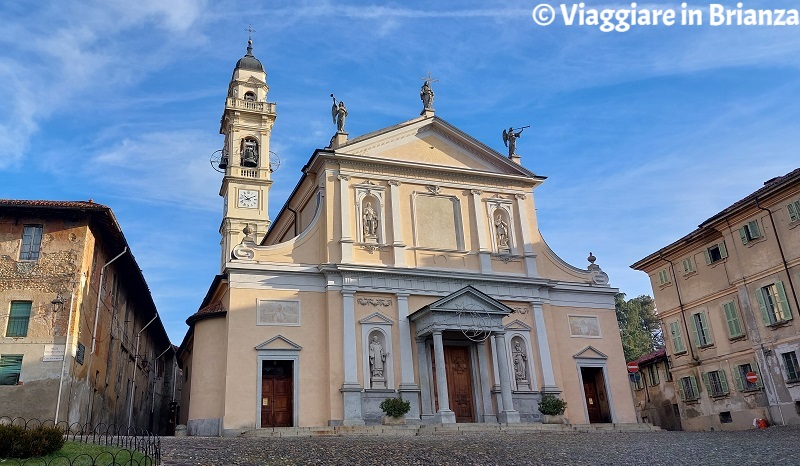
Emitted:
pixel 510 139
pixel 339 114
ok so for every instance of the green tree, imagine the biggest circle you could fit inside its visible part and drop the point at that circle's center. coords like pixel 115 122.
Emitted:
pixel 638 324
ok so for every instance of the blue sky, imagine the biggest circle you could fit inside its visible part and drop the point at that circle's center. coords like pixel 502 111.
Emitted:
pixel 642 134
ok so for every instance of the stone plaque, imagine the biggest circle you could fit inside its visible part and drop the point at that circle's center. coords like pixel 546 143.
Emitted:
pixel 584 326
pixel 274 312
pixel 54 352
pixel 437 222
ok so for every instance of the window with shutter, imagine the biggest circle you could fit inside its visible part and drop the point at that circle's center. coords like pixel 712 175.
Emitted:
pixel 716 253
pixel 10 369
pixel 750 232
pixel 716 383
pixel 688 388
pixel 31 243
pixel 732 319
pixel 792 367
pixel 773 304
pixel 688 266
pixel 18 319
pixel 794 211
pixel 677 338
pixel 702 333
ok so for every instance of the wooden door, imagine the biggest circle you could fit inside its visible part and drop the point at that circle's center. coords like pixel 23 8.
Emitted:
pixel 459 382
pixel 277 393
pixel 592 402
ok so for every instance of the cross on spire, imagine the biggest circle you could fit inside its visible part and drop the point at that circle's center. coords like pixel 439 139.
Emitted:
pixel 250 31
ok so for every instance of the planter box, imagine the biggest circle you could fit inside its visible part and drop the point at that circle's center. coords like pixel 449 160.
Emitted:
pixel 552 418
pixel 393 421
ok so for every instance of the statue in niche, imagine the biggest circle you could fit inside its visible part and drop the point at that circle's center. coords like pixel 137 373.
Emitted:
pixel 520 362
pixel 501 231
pixel 339 114
pixel 377 358
pixel 370 218
pixel 250 153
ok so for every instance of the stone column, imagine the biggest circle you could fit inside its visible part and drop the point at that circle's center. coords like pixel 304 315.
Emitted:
pixel 398 246
pixel 344 199
pixel 484 248
pixel 445 415
pixel 486 395
pixel 408 389
pixel 545 360
pixel 508 415
pixel 351 389
pixel 527 246
pixel 424 381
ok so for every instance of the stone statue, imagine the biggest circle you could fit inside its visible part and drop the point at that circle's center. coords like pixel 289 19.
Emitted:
pixel 370 221
pixel 339 114
pixel 510 139
pixel 501 228
pixel 426 94
pixel 520 362
pixel 377 356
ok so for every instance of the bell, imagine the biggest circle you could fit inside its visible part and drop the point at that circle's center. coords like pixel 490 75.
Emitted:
pixel 223 162
pixel 249 159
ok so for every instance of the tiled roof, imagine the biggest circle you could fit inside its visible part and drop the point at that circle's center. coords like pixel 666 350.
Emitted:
pixel 655 356
pixel 53 204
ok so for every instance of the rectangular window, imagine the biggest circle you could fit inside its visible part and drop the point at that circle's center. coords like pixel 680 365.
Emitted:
pixel 638 381
pixel 740 377
pixel 652 375
pixel 794 211
pixel 688 266
pixel 687 388
pixel 663 276
pixel 750 232
pixel 31 242
pixel 667 371
pixel 716 383
pixel 773 303
pixel 792 368
pixel 716 253
pixel 732 318
pixel 677 338
pixel 702 334
pixel 18 319
pixel 10 368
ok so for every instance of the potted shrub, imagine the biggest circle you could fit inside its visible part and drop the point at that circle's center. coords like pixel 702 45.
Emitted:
pixel 552 409
pixel 395 410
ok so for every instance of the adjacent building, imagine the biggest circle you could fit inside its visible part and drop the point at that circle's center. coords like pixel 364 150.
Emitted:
pixel 406 262
pixel 81 339
pixel 727 298
pixel 654 396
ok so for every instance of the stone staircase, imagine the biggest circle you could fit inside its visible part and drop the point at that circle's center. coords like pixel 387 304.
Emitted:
pixel 445 429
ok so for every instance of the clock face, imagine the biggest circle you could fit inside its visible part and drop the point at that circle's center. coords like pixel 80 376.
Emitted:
pixel 248 198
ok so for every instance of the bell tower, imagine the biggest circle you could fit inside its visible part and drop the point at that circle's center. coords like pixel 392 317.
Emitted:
pixel 247 125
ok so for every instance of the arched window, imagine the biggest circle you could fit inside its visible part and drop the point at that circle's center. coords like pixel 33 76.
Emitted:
pixel 250 96
pixel 249 151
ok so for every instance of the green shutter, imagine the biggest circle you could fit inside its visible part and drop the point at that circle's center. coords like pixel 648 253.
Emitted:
pixel 763 306
pixel 706 330
pixel 723 381
pixel 743 235
pixel 708 256
pixel 694 331
pixel 787 311
pixel 677 341
pixel 723 251
pixel 755 232
pixel 754 367
pixel 693 381
pixel 794 211
pixel 734 328
pixel 707 383
pixel 18 319
pixel 10 368
pixel 680 389
pixel 737 378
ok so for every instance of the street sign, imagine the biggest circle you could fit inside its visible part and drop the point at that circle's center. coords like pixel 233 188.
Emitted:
pixel 633 367
pixel 751 377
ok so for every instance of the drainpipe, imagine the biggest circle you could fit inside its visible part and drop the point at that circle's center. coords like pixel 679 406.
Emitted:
pixel 133 381
pixel 64 360
pixel 680 304
pixel 94 331
pixel 794 294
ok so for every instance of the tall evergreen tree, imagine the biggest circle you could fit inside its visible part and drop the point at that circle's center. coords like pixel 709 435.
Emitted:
pixel 639 326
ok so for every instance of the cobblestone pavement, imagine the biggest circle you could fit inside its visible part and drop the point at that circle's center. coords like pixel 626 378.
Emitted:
pixel 776 445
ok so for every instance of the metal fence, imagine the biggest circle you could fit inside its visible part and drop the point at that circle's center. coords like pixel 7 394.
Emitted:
pixel 129 440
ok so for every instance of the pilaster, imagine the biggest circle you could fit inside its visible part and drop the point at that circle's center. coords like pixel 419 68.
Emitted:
pixel 484 251
pixel 398 246
pixel 351 389
pixel 424 381
pixel 545 359
pixel 345 219
pixel 407 385
pixel 444 415
pixel 508 415
pixel 527 245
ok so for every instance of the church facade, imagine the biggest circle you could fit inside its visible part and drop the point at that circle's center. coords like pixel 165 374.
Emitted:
pixel 406 263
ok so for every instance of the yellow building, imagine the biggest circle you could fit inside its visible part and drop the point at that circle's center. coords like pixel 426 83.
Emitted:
pixel 406 262
pixel 727 297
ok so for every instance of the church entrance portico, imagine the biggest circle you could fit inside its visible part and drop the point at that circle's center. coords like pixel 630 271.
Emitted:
pixel 455 380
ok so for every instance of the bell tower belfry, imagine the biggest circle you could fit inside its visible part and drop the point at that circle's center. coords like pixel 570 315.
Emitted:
pixel 247 125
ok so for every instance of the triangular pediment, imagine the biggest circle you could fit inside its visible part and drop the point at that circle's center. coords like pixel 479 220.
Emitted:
pixel 468 299
pixel 376 318
pixel 518 325
pixel 432 142
pixel 590 352
pixel 279 342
